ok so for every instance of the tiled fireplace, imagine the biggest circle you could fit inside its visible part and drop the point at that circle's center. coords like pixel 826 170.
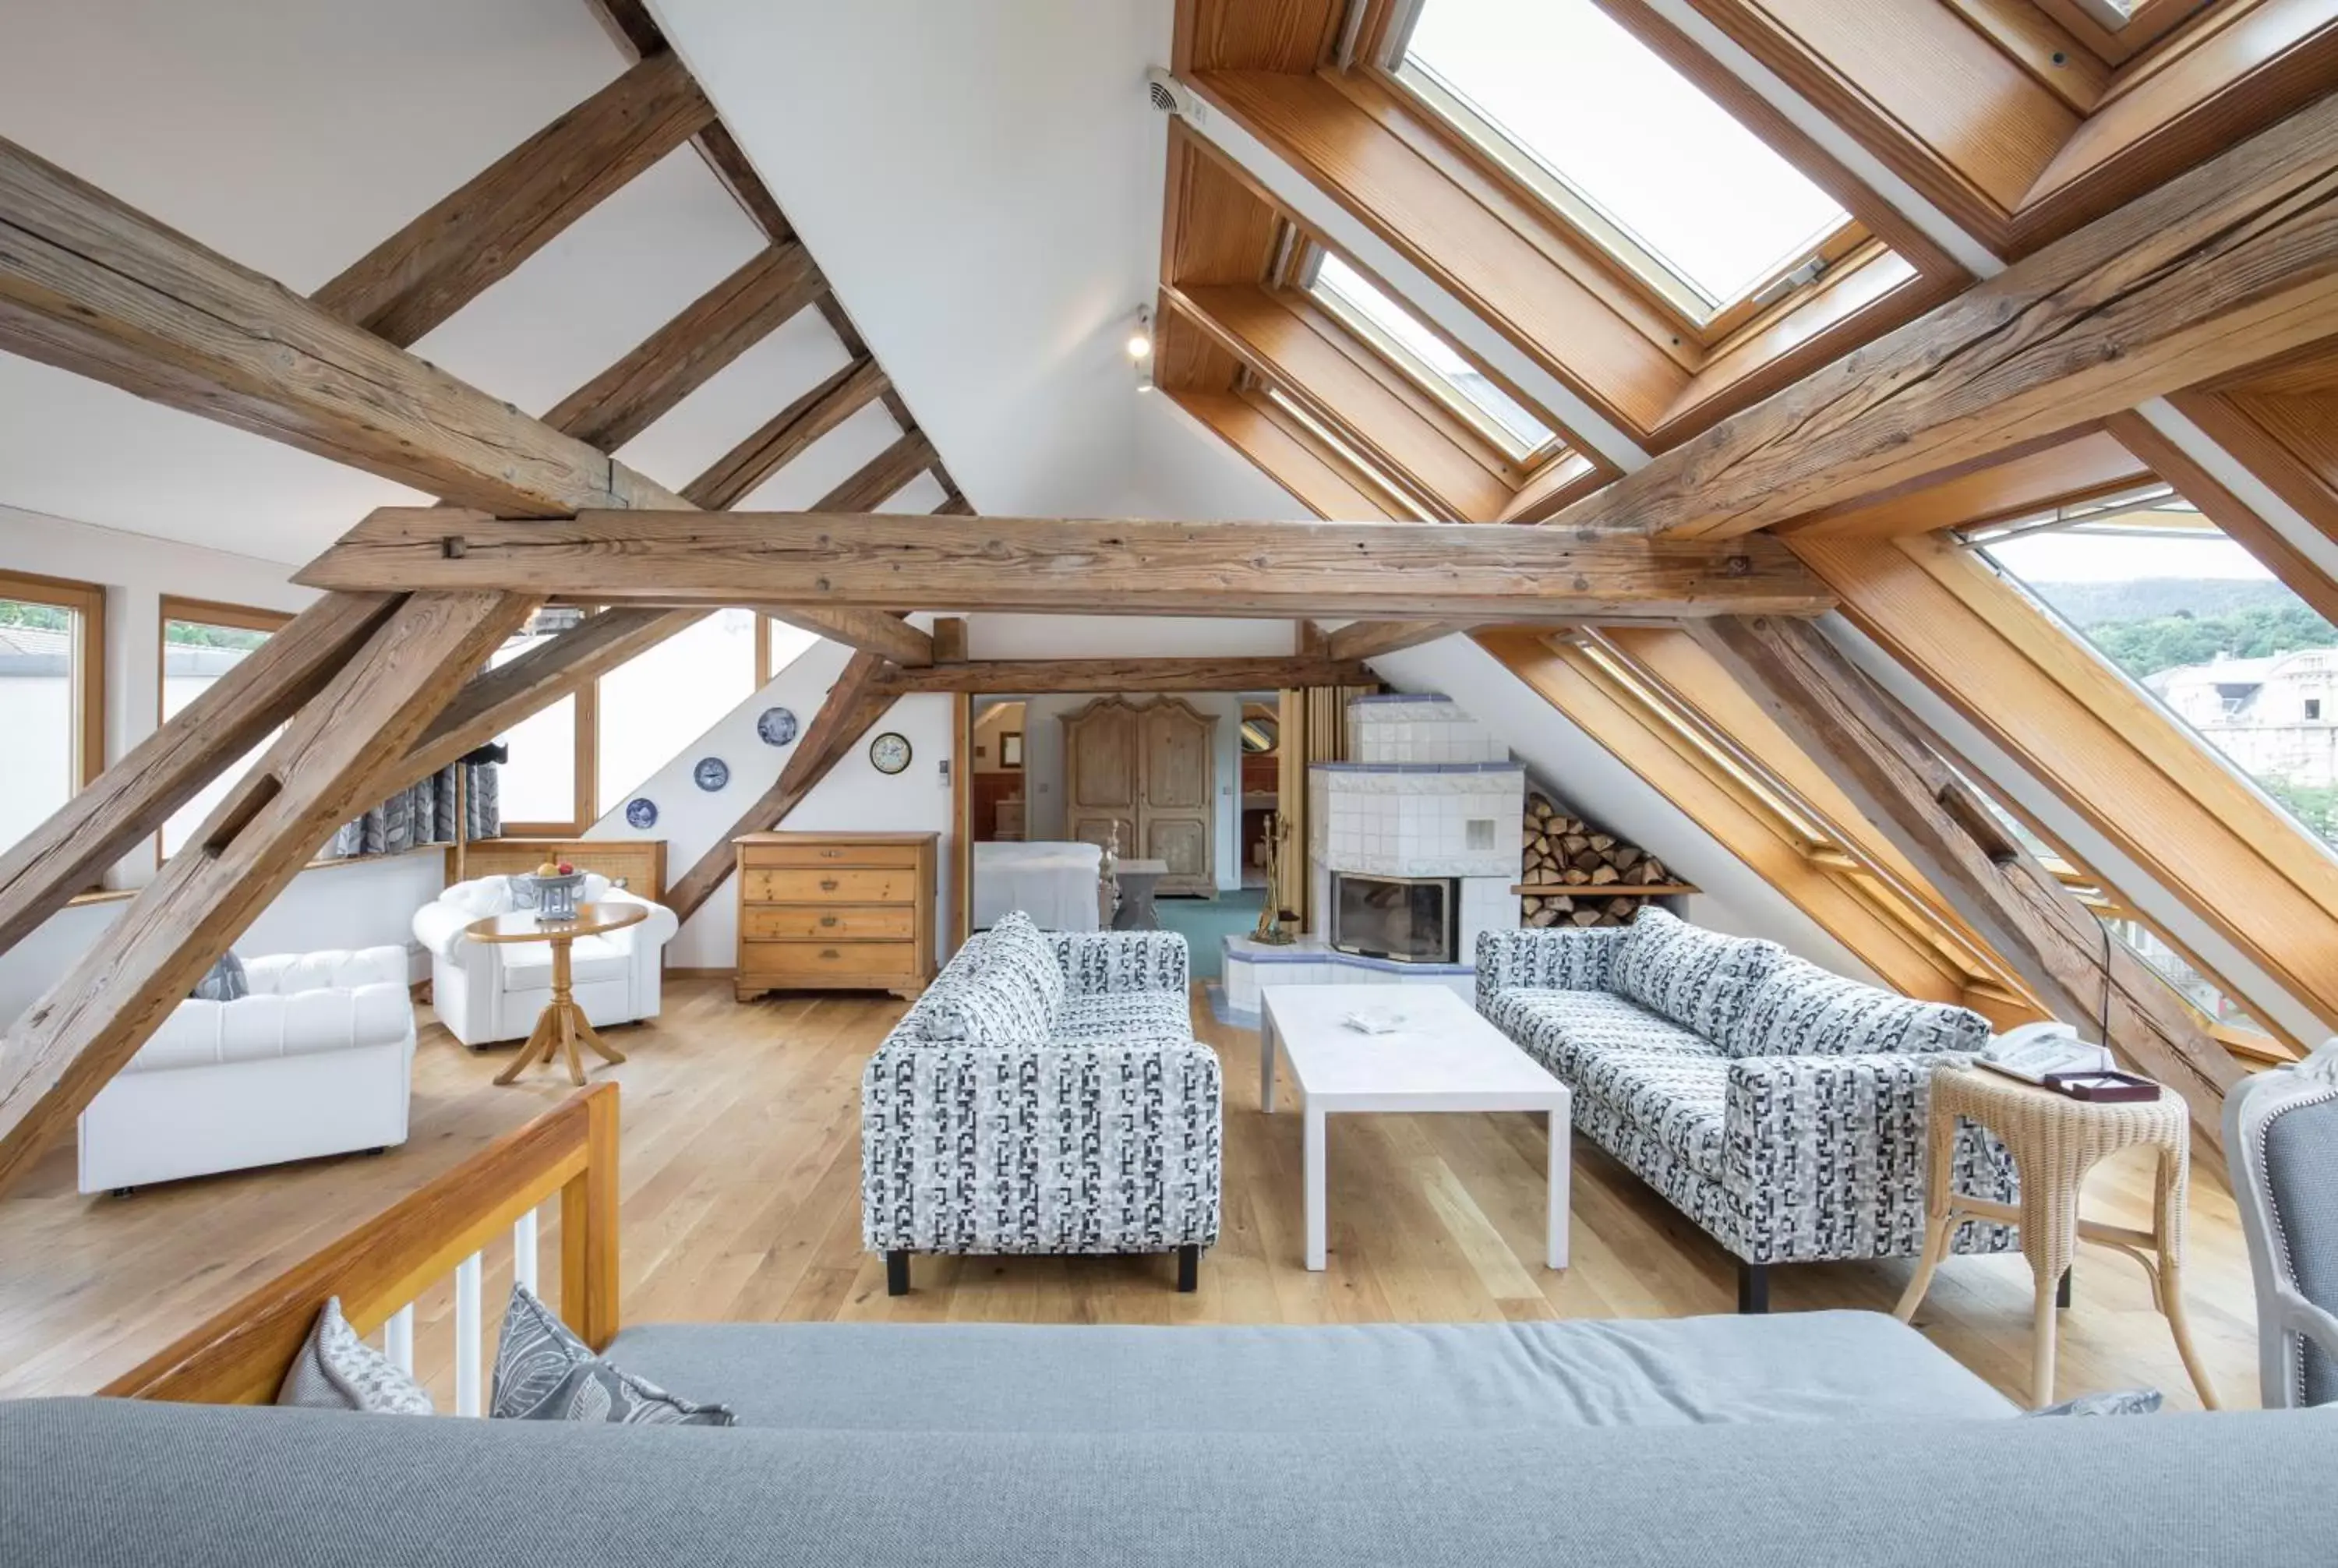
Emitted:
pixel 1412 844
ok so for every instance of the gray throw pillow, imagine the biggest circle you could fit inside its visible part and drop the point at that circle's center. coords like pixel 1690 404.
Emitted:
pixel 544 1372
pixel 224 982
pixel 2119 1402
pixel 336 1370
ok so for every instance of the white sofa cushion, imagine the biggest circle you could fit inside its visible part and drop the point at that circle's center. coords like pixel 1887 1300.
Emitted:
pixel 527 966
pixel 296 1008
pixel 1700 979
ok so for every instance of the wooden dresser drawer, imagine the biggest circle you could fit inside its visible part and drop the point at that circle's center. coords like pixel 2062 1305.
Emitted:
pixel 829 922
pixel 783 962
pixel 837 885
pixel 904 856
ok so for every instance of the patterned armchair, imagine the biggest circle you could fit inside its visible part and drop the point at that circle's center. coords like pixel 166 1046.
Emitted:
pixel 1779 1106
pixel 1045 1095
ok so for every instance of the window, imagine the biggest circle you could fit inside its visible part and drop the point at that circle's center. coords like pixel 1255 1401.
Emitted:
pixel 52 695
pixel 200 643
pixel 1568 103
pixel 545 788
pixel 1424 359
pixel 1397 498
pixel 2196 619
pixel 664 699
pixel 783 646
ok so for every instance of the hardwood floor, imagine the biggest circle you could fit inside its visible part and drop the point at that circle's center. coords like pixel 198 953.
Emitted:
pixel 741 1179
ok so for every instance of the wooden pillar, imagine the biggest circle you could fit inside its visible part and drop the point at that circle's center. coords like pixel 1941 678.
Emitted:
pixel 588 1229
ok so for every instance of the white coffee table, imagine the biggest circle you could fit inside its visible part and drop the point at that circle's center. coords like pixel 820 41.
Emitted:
pixel 1444 1057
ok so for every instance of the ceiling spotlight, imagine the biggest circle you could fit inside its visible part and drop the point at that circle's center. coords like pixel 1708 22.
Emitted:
pixel 1140 337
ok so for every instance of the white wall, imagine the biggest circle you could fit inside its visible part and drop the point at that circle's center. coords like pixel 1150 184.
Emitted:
pixel 854 797
pixel 1043 769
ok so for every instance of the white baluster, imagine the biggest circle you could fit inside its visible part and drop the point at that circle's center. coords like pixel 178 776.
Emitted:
pixel 466 1337
pixel 524 1251
pixel 398 1339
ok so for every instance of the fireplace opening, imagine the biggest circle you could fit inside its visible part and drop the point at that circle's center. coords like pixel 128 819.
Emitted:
pixel 1411 919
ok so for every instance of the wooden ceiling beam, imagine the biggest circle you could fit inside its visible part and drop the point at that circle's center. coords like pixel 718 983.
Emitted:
pixel 1370 639
pixel 879 561
pixel 1230 673
pixel 317 776
pixel 870 631
pixel 880 478
pixel 681 356
pixel 741 470
pixel 92 286
pixel 2227 265
pixel 1878 754
pixel 850 707
pixel 479 234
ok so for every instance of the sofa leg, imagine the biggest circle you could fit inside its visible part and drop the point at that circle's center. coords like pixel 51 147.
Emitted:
pixel 1752 1288
pixel 1189 1268
pixel 120 1192
pixel 897 1273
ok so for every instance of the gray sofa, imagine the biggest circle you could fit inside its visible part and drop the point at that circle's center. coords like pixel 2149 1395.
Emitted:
pixel 1779 1106
pixel 1809 1438
pixel 1045 1095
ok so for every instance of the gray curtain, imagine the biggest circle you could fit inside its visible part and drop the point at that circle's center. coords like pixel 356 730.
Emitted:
pixel 423 813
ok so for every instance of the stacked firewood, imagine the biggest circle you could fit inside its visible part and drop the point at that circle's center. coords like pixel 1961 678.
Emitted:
pixel 1595 869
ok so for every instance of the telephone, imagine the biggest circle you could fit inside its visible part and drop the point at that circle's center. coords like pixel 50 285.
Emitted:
pixel 2035 1050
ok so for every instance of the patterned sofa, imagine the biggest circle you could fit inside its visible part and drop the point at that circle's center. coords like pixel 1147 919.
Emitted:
pixel 1779 1106
pixel 1045 1095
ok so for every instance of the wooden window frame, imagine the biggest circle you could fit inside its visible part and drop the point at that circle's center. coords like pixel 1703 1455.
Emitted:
pixel 85 601
pixel 585 781
pixel 217 613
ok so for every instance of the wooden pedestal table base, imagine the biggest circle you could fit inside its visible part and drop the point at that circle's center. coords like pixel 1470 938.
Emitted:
pixel 2054 1141
pixel 561 1025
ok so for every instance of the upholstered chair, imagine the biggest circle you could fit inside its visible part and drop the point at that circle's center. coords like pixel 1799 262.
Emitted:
pixel 485 992
pixel 2281 1140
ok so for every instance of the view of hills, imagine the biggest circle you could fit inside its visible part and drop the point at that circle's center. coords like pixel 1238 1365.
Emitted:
pixel 2147 624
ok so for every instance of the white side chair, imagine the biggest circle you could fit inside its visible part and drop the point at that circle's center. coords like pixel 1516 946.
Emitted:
pixel 2281 1140
pixel 318 1059
pixel 485 992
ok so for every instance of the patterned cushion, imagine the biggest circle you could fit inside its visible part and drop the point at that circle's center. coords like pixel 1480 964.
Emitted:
pixel 1677 1099
pixel 1129 1015
pixel 336 1370
pixel 1562 1029
pixel 1003 989
pixel 224 980
pixel 1699 979
pixel 1015 943
pixel 1801 1010
pixel 544 1372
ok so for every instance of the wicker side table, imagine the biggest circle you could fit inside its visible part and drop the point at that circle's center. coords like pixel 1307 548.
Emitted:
pixel 2055 1140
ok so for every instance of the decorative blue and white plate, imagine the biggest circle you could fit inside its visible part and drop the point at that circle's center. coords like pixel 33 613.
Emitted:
pixel 777 726
pixel 642 812
pixel 711 773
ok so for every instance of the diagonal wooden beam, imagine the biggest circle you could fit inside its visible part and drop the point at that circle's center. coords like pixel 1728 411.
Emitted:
pixel 471 239
pixel 316 777
pixel 1049 565
pixel 871 631
pixel 1232 673
pixel 851 706
pixel 1883 759
pixel 1368 638
pixel 92 286
pixel 2231 263
pixel 739 472
pixel 69 852
pixel 881 477
pixel 681 356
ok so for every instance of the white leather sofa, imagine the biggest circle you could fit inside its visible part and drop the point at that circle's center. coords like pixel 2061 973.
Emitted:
pixel 485 992
pixel 317 1058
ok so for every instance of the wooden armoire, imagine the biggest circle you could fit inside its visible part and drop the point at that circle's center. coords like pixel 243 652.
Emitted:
pixel 1150 769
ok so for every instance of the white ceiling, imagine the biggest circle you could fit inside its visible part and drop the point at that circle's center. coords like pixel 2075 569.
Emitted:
pixel 982 183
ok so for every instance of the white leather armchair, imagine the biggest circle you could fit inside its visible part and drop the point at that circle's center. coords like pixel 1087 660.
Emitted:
pixel 317 1058
pixel 485 992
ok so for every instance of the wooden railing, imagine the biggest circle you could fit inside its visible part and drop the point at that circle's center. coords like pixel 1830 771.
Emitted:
pixel 240 1355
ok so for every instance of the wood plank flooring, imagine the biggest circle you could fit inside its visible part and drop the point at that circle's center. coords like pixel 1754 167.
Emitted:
pixel 741 1180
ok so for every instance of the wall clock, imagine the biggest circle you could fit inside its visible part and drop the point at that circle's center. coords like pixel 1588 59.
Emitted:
pixel 889 752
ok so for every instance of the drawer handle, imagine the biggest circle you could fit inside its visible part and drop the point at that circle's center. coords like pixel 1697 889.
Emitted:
pixel 828 884
pixel 828 919
pixel 828 952
pixel 831 854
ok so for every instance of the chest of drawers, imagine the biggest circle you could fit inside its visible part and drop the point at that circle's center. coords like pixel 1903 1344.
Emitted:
pixel 836 912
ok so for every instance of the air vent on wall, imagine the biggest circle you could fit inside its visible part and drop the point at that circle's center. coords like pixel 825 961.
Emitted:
pixel 1171 96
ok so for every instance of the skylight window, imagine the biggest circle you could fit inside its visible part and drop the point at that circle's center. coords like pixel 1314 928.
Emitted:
pixel 2196 619
pixel 1393 496
pixel 1425 358
pixel 1629 150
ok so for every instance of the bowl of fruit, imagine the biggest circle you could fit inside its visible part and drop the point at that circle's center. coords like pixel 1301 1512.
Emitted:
pixel 557 884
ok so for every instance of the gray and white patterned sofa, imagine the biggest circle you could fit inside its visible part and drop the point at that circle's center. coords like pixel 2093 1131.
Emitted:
pixel 1779 1106
pixel 1045 1095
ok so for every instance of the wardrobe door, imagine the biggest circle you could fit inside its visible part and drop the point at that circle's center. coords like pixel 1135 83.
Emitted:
pixel 1101 782
pixel 1176 811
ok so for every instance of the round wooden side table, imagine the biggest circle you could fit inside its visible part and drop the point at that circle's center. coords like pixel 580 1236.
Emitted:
pixel 2054 1141
pixel 562 1025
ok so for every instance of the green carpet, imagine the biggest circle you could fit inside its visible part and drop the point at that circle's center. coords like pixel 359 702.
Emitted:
pixel 1205 922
